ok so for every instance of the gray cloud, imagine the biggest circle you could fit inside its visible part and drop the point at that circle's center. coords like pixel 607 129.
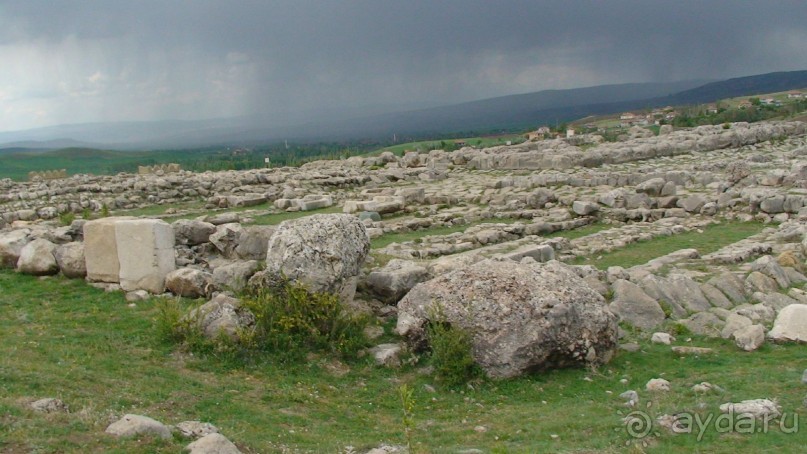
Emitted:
pixel 76 61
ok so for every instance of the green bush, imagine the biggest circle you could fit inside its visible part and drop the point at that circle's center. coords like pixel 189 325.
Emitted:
pixel 291 320
pixel 451 354
pixel 67 218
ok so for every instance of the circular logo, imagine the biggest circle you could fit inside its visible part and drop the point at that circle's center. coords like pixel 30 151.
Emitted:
pixel 638 424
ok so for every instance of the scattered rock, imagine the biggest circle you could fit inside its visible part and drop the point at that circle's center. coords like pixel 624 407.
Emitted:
pixel 49 405
pixel 214 443
pixel 387 355
pixel 757 408
pixel 190 283
pixel 657 384
pixel 133 425
pixel 662 338
pixel 195 429
pixel 681 350
pixel 749 338
pixel 223 315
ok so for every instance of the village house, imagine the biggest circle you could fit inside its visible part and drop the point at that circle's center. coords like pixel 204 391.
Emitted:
pixel 795 95
pixel 539 133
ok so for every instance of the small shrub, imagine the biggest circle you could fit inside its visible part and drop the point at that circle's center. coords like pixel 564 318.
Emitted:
pixel 451 354
pixel 291 320
pixel 67 218
pixel 679 329
pixel 104 211
pixel 86 214
pixel 666 308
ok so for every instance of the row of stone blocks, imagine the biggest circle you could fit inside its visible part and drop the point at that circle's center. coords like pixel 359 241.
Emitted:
pixel 47 175
pixel 135 253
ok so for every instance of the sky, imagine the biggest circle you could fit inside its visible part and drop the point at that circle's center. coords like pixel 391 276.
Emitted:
pixel 77 61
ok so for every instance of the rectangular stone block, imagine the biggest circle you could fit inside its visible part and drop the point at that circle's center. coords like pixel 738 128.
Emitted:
pixel 101 250
pixel 146 253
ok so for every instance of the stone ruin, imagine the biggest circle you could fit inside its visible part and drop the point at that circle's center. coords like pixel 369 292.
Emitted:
pixel 159 169
pixel 504 205
pixel 46 175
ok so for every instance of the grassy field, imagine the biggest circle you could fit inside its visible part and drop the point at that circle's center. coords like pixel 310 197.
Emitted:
pixel 710 239
pixel 104 358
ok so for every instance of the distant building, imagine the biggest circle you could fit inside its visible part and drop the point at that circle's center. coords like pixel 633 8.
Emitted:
pixel 539 133
pixel 628 116
pixel 795 95
pixel 744 104
pixel 712 109
pixel 570 132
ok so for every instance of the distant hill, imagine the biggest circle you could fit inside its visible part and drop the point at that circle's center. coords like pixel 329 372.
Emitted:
pixel 742 86
pixel 506 113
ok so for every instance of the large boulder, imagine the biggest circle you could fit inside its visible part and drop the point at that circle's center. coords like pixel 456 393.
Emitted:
pixel 521 317
pixel 395 279
pixel 37 258
pixel 189 283
pixel 11 245
pixel 70 258
pixel 790 324
pixel 192 232
pixel 324 251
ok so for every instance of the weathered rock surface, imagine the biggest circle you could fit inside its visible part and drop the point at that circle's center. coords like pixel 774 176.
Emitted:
pixel 521 317
pixel 133 425
pixel 190 283
pixel 11 244
pixel 324 251
pixel 145 250
pixel 37 258
pixel 214 443
pixel 791 324
pixel 223 315
pixel 635 307
pixel 749 338
pixel 395 279
pixel 70 258
pixel 234 276
pixel 192 232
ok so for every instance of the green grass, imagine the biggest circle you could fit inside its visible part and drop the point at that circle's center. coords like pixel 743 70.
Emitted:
pixel 277 218
pixel 712 238
pixel 65 339
pixel 401 237
pixel 579 232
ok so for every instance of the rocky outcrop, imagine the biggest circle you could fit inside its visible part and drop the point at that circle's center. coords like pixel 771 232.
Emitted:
pixel 521 317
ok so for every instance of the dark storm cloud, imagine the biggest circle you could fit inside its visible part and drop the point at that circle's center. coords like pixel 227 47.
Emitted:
pixel 119 60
